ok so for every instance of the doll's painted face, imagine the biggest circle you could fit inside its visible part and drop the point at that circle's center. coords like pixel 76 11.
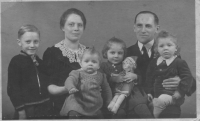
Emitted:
pixel 128 65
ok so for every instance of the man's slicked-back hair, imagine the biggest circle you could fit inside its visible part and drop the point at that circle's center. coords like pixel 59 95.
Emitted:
pixel 156 20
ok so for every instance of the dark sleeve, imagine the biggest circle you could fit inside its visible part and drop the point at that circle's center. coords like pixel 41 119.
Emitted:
pixel 104 69
pixel 106 90
pixel 42 66
pixel 188 83
pixel 49 61
pixel 57 72
pixel 139 79
pixel 13 87
pixel 149 78
pixel 128 51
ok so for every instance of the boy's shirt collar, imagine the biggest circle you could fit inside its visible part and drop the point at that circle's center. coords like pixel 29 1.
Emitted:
pixel 168 61
pixel 32 57
pixel 148 46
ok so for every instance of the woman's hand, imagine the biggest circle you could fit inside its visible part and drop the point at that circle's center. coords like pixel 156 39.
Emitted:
pixel 129 77
pixel 150 97
pixel 22 114
pixel 73 90
pixel 171 83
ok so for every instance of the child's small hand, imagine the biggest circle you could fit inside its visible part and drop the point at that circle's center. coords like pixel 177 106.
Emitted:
pixel 150 97
pixel 22 114
pixel 73 90
pixel 178 101
pixel 117 78
pixel 129 77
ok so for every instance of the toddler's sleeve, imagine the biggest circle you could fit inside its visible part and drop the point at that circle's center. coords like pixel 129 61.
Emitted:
pixel 188 83
pixel 73 80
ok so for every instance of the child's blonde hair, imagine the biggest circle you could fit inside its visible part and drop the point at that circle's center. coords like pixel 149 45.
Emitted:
pixel 27 28
pixel 109 43
pixel 164 34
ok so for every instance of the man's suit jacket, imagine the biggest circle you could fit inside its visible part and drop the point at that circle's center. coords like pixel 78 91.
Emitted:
pixel 142 63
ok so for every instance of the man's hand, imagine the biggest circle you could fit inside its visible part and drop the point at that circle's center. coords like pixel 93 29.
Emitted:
pixel 129 77
pixel 171 83
pixel 73 90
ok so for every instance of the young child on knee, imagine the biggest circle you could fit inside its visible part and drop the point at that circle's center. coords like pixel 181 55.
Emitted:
pixel 167 64
pixel 86 87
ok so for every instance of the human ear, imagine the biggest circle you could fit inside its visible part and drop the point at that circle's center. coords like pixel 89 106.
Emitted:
pixel 105 55
pixel 19 42
pixel 157 28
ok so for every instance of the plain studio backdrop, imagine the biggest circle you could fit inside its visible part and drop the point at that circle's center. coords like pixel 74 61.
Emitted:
pixel 105 19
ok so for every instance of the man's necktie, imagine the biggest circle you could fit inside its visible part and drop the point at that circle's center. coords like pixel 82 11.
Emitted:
pixel 145 54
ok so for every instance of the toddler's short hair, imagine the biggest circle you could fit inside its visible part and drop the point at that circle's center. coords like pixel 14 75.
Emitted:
pixel 109 43
pixel 162 35
pixel 27 28
pixel 91 51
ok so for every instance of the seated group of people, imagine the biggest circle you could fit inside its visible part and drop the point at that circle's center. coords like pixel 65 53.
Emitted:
pixel 146 80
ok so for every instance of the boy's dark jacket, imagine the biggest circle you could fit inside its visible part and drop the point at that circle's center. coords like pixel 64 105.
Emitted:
pixel 142 65
pixel 23 85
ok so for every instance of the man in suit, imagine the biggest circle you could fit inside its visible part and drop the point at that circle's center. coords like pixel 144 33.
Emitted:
pixel 146 26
